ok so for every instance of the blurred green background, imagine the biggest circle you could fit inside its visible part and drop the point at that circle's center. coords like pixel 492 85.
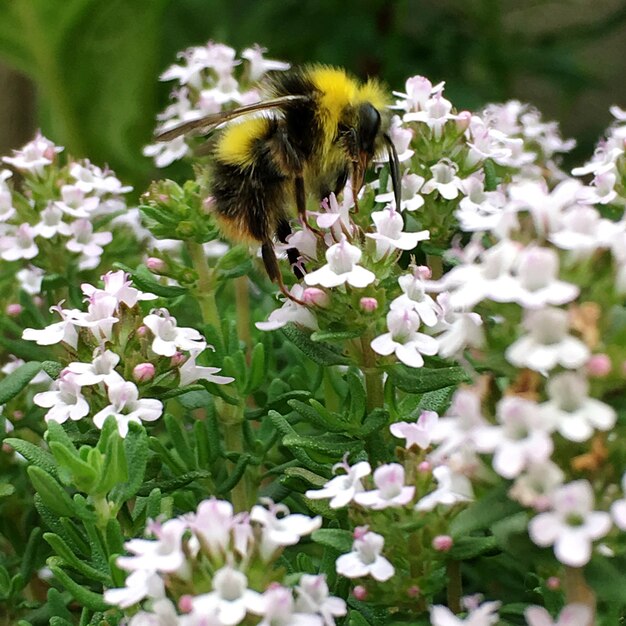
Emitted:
pixel 86 71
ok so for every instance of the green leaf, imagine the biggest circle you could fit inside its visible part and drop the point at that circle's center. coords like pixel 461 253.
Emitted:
pixel 331 445
pixel 6 490
pixel 145 280
pixel 423 380
pixel 257 370
pixel 607 577
pixel 465 548
pixel 12 384
pixel 316 413
pixel 340 540
pixel 235 474
pixel 136 452
pixel 114 468
pixel 437 401
pixel 179 440
pixel 83 596
pixel 52 494
pixel 75 562
pixel 330 336
pixel 83 474
pixel 34 454
pixel 321 353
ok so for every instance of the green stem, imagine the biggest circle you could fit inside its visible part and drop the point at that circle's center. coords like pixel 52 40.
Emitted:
pixel 231 420
pixel 373 376
pixel 578 591
pixel 435 263
pixel 455 586
pixel 242 299
pixel 205 287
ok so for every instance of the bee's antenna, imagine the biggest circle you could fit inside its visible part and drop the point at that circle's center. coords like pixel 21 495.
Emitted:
pixel 394 169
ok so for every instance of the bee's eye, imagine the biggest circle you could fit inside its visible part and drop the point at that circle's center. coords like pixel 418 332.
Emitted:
pixel 369 125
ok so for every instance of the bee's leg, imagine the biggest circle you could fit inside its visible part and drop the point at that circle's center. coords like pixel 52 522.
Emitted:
pixel 301 205
pixel 283 230
pixel 273 270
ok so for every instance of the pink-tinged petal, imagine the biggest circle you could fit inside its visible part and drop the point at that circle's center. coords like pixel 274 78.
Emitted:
pixel 443 616
pixel 326 220
pixel 538 616
pixel 572 548
pixel 350 566
pixel 382 569
pixel 544 529
pixel 360 277
pixel 342 499
pixel 383 344
pixel 409 355
pixel 618 511
pixel 575 615
pixel 597 524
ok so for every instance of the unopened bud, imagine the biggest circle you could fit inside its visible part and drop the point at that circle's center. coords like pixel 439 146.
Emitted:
pixel 463 121
pixel 413 591
pixel 360 532
pixel 422 272
pixel 177 359
pixel 312 296
pixel 14 309
pixel 598 365
pixel 368 305
pixel 553 583
pixel 155 265
pixel 142 331
pixel 443 543
pixel 143 372
pixel 38 300
pixel 17 415
pixel 360 592
pixel 424 467
pixel 185 603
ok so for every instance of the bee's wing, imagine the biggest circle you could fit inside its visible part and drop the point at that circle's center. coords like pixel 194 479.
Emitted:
pixel 203 125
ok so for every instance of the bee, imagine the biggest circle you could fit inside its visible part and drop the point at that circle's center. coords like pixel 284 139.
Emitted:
pixel 318 127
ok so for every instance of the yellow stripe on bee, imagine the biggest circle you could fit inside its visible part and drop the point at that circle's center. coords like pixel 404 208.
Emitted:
pixel 374 93
pixel 336 89
pixel 236 142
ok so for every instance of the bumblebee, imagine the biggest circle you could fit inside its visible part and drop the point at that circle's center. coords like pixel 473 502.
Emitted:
pixel 318 127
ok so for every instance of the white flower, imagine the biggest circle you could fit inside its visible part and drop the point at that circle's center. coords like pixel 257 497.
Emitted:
pixel 34 156
pixel 521 441
pixel 231 598
pixel 414 296
pixel 435 112
pixel 278 609
pixel 342 489
pixel 76 203
pixel 366 559
pixel 30 279
pixel 480 210
pixel 410 199
pixel 571 615
pixel 51 223
pixel 342 267
pixel 281 531
pixel 163 554
pixel 418 91
pixel 459 330
pixel 547 344
pixel 64 400
pixel 570 411
pixel 313 598
pixel 213 522
pixel 166 152
pixel 389 234
pixel 571 525
pixel 484 615
pixel 258 65
pixel 118 285
pixel 451 488
pixel 85 241
pixel 290 312
pixel 444 180
pixel 336 217
pixel 404 340
pixel 190 372
pixel 391 491
pixel 20 245
pixel 416 433
pixel 7 210
pixel 535 486
pixel 401 137
pixel 126 407
pixel 618 508
pixel 90 178
pixel 139 584
pixel 100 370
pixel 168 337
pixel 100 315
pixel 65 330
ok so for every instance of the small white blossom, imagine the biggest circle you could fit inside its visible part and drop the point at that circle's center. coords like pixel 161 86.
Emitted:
pixel 418 91
pixel 389 234
pixel 139 585
pixel 100 370
pixel 459 330
pixel 76 203
pixel 190 372
pixel 84 241
pixel 100 316
pixel 118 285
pixel 126 407
pixel 90 178
pixel 435 112
pixel 213 522
pixel 535 486
pixel 65 330
pixel 451 488
pixel 342 267
pixel 342 489
pixel 30 279
pixel 34 156
pixel 410 199
pixel 258 65
pixel 414 296
pixel 571 615
pixel 444 180
pixel 278 609
pixel 64 400
pixel 313 597
pixel 390 491
pixel 484 615
pixel 165 153
pixel 572 524
pixel 51 223
pixel 416 433
pixel 290 312
pixel 366 559
pixel 618 508
pixel 20 244
pixel 168 337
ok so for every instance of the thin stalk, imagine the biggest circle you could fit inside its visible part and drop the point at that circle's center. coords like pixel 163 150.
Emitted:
pixel 577 590
pixel 455 586
pixel 242 299
pixel 330 395
pixel 205 287
pixel 373 376
pixel 435 264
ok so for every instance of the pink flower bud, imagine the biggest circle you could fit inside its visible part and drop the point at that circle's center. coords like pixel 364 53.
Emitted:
pixel 443 543
pixel 185 603
pixel 17 415
pixel 155 265
pixel 422 272
pixel 143 372
pixel 598 365
pixel 312 296
pixel 7 449
pixel 368 305
pixel 463 121
pixel 178 359
pixel 142 331
pixel 553 583
pixel 413 591
pixel 360 532
pixel 424 467
pixel 14 309
pixel 38 300
pixel 360 592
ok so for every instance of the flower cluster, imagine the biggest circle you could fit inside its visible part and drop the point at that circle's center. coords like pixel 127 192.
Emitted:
pixel 215 567
pixel 117 342
pixel 206 83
